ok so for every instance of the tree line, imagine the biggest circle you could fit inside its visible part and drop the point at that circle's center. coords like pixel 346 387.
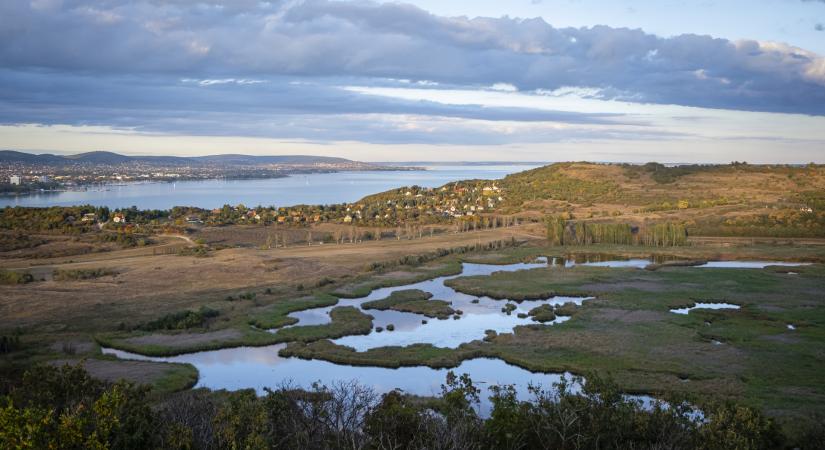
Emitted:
pixel 562 231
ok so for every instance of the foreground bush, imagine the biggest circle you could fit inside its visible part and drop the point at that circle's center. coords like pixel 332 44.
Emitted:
pixel 65 408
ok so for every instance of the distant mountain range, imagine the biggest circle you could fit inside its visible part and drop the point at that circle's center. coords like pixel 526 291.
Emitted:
pixel 109 158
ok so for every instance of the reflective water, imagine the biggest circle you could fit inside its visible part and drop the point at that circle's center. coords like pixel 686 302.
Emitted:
pixel 313 189
pixel 479 314
pixel 705 306
pixel 615 263
pixel 259 368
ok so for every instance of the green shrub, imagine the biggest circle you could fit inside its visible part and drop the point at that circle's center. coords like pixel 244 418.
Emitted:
pixel 12 277
pixel 181 320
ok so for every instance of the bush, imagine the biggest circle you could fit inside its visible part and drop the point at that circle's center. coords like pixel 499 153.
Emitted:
pixel 11 277
pixel 181 320
pixel 65 408
pixel 81 274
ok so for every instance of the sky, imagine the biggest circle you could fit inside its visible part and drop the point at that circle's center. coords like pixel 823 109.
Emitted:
pixel 422 80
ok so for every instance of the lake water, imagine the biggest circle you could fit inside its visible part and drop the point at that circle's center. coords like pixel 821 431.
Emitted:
pixel 314 189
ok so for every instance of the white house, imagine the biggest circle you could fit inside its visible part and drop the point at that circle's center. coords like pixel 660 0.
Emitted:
pixel 15 180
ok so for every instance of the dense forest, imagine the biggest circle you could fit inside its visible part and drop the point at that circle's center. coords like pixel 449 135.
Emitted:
pixel 63 408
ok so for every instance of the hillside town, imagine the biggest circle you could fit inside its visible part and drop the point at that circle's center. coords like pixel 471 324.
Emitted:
pixel 24 174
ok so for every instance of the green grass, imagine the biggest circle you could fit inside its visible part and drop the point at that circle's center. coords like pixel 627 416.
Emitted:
pixel 542 313
pixel 392 357
pixel 9 277
pixel 403 275
pixel 179 377
pixel 524 284
pixel 413 301
pixel 276 315
pixel 629 332
pixel 247 337
pixel 346 321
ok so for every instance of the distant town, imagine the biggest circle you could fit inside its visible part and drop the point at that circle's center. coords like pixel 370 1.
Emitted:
pixel 22 173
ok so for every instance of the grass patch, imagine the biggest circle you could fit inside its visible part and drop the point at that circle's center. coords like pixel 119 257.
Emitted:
pixel 173 344
pixel 366 285
pixel 276 315
pixel 346 321
pixel 542 313
pixel 524 284
pixel 178 378
pixel 391 357
pixel 10 277
pixel 413 301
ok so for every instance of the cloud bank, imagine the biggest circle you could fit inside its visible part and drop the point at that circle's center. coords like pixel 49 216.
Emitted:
pixel 243 41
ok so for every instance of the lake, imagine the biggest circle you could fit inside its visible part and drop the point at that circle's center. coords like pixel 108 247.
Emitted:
pixel 313 189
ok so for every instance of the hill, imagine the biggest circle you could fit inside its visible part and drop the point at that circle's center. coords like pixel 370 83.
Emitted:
pixel 110 158
pixel 730 200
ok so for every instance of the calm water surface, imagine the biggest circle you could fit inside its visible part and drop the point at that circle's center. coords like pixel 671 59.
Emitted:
pixel 314 189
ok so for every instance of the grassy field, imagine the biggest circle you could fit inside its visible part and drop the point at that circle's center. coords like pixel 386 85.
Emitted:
pixel 749 355
pixel 152 282
pixel 412 301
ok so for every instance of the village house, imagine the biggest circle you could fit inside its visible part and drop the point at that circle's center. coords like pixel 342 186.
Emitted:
pixel 89 217
pixel 119 218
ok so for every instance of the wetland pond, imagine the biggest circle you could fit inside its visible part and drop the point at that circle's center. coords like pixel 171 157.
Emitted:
pixel 258 368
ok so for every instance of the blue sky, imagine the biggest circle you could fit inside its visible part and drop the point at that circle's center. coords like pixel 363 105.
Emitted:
pixel 791 21
pixel 671 81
